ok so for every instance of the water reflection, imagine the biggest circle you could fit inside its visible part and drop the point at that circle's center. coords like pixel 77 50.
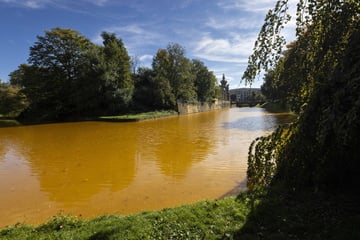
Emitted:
pixel 95 168
pixel 265 122
pixel 72 162
pixel 185 141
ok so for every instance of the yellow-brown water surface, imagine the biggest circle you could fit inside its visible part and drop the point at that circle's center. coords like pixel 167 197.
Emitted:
pixel 92 168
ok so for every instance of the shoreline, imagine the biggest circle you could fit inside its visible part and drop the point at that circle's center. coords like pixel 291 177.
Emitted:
pixel 235 191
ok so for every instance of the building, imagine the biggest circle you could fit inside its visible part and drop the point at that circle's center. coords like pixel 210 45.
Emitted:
pixel 244 95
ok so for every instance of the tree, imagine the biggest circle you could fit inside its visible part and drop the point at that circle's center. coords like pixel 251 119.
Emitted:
pixel 118 86
pixel 61 51
pixel 69 77
pixel 49 81
pixel 268 46
pixel 12 100
pixel 105 79
pixel 320 151
pixel 160 66
pixel 205 82
pixel 282 86
pixel 89 99
pixel 41 88
pixel 171 65
pixel 149 87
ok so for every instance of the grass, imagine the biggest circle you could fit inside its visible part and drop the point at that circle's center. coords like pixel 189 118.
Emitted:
pixel 204 220
pixel 10 122
pixel 138 116
pixel 264 214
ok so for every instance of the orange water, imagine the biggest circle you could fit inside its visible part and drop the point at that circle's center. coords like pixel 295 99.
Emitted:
pixel 92 168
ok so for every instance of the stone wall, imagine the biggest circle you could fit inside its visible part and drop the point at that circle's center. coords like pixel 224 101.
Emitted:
pixel 187 108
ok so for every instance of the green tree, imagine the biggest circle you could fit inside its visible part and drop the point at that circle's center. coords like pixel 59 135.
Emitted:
pixel 61 51
pixel 68 76
pixel 151 92
pixel 12 100
pixel 280 85
pixel 41 88
pixel 116 73
pixel 205 82
pixel 268 46
pixel 321 74
pixel 50 79
pixel 89 99
pixel 171 65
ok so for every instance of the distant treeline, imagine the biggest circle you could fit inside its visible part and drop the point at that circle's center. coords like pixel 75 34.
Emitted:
pixel 68 77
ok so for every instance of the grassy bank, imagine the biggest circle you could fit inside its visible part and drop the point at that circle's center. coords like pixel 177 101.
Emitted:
pixel 133 117
pixel 264 214
pixel 137 116
pixel 204 220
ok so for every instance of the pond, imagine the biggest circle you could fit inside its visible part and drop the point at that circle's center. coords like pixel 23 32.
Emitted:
pixel 92 168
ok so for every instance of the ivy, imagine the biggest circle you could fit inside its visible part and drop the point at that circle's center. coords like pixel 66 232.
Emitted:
pixel 263 156
pixel 320 150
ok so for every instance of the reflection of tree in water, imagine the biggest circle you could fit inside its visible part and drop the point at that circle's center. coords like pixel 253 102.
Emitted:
pixel 180 142
pixel 75 161
pixel 2 150
pixel 263 122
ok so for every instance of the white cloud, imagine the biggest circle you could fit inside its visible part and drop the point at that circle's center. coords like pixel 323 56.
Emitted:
pixel 34 4
pixel 134 35
pixel 146 57
pixel 235 49
pixel 233 74
pixel 241 23
pixel 97 2
pixel 258 6
pixel 139 40
pixel 133 29
pixel 65 4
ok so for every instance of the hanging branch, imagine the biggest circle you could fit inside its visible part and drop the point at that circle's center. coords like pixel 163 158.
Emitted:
pixel 268 46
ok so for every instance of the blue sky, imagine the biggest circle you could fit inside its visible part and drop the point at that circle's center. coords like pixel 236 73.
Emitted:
pixel 220 33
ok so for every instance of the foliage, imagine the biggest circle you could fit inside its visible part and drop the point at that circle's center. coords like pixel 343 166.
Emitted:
pixel 205 82
pixel 268 46
pixel 328 126
pixel 68 76
pixel 173 78
pixel 118 86
pixel 263 157
pixel 60 52
pixel 12 100
pixel 49 81
pixel 171 65
pixel 288 79
pixel 318 76
pixel 148 85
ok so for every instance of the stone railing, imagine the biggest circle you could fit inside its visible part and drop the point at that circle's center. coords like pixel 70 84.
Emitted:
pixel 187 108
